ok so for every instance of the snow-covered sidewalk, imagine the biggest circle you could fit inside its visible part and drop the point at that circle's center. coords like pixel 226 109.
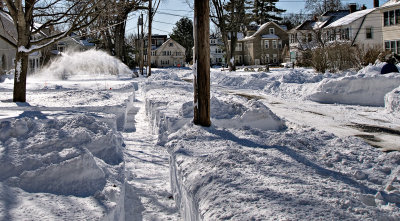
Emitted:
pixel 147 172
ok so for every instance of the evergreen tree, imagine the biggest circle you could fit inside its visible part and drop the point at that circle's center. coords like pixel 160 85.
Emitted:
pixel 183 34
pixel 265 11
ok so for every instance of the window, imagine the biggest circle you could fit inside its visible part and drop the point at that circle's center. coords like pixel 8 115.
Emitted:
pixel 345 34
pixel 387 45
pixel 280 44
pixel 398 47
pixel 393 46
pixel 386 19
pixel 3 62
pixel 266 43
pixel 171 44
pixel 275 58
pixel 309 38
pixel 368 32
pixel 292 38
pixel 267 58
pixel 274 45
pixel 391 17
pixel 272 31
pixel 397 14
pixel 238 47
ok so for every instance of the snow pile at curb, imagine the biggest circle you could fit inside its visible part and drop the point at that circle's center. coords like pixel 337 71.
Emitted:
pixel 219 174
pixel 57 157
pixel 230 113
pixel 368 88
pixel 392 100
pixel 62 159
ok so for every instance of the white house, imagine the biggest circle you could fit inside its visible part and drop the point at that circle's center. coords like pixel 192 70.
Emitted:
pixel 216 52
pixel 169 54
pixel 362 28
pixel 390 20
pixel 311 33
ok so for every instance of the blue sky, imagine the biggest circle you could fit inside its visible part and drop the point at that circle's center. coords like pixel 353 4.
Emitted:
pixel 170 11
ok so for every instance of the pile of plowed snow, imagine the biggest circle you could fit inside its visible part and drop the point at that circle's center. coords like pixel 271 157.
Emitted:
pixel 63 157
pixel 368 87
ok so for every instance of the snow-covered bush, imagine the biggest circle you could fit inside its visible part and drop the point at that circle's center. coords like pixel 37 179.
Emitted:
pixel 392 100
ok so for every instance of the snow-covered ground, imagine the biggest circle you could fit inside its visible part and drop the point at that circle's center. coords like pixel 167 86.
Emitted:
pixel 289 144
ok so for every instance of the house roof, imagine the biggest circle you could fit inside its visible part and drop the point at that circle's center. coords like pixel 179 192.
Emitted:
pixel 167 41
pixel 390 3
pixel 329 17
pixel 350 18
pixel 262 27
pixel 7 28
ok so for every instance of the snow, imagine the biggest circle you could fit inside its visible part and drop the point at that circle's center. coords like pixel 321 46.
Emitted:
pixel 392 100
pixel 270 36
pixel 362 89
pixel 350 18
pixel 98 144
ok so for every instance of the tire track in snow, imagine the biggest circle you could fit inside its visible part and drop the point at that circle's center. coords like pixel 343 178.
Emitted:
pixel 147 173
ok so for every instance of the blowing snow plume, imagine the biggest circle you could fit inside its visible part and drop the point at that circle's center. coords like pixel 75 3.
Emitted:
pixel 91 63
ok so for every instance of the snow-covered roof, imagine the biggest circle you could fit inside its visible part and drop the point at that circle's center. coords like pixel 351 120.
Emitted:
pixel 262 27
pixel 390 3
pixel 350 18
pixel 7 28
pixel 240 36
pixel 270 36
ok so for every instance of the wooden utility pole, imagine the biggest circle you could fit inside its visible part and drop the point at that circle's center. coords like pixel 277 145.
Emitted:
pixel 149 40
pixel 201 81
pixel 141 45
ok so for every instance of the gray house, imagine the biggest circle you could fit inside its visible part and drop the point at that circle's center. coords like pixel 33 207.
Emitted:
pixel 267 44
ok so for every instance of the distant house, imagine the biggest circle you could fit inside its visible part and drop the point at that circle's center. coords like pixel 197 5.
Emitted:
pixel 362 28
pixel 8 44
pixel 216 52
pixel 262 45
pixel 311 33
pixel 390 19
pixel 169 54
pixel 73 42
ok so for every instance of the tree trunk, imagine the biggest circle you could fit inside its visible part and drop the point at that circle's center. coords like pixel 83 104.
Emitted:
pixel 120 41
pixel 149 41
pixel 201 58
pixel 21 70
pixel 232 62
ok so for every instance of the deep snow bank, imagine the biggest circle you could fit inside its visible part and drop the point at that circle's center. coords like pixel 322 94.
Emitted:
pixel 64 157
pixel 368 87
pixel 247 173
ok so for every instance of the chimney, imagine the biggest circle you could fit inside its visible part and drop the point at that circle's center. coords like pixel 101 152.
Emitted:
pixel 363 7
pixel 352 7
pixel 376 3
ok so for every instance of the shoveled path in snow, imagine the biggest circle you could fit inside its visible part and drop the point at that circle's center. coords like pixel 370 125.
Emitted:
pixel 147 172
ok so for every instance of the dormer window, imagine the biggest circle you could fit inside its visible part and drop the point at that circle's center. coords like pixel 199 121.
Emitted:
pixel 271 31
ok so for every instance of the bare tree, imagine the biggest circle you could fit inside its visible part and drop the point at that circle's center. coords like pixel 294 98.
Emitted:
pixel 318 7
pixel 228 17
pixel 68 15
